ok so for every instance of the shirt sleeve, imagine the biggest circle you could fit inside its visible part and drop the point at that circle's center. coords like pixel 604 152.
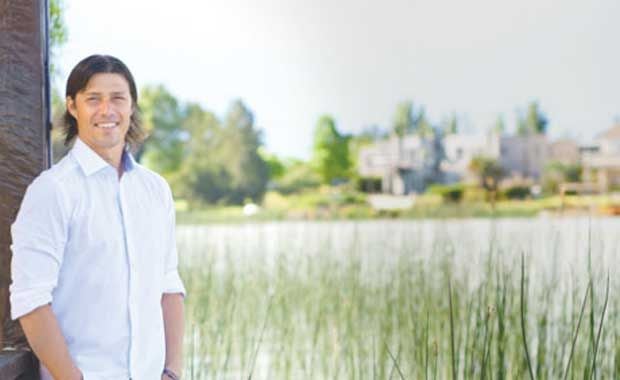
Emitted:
pixel 39 235
pixel 172 280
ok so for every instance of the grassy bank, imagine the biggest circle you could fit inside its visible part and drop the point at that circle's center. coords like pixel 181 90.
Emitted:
pixel 334 205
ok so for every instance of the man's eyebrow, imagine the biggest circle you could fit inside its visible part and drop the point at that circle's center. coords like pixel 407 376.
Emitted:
pixel 99 93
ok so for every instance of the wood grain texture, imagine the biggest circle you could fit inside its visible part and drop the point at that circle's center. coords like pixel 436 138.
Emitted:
pixel 24 131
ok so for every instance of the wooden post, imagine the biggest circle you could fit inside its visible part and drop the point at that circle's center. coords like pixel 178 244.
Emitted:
pixel 24 145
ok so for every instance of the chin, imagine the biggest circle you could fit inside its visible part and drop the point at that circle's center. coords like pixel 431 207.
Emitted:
pixel 107 143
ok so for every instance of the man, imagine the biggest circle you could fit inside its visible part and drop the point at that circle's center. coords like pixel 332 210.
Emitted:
pixel 95 282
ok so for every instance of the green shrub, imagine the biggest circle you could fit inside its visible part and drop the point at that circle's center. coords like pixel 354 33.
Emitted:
pixel 299 177
pixel 350 198
pixel 449 193
pixel 516 192
pixel 368 184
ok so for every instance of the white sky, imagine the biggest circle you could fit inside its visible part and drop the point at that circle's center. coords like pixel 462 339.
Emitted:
pixel 293 60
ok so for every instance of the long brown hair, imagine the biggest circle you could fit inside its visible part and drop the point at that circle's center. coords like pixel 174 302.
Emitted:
pixel 78 80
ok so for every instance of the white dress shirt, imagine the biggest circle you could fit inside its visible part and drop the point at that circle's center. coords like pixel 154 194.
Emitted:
pixel 102 251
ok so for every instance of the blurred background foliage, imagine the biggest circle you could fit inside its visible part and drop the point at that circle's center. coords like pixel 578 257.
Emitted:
pixel 221 160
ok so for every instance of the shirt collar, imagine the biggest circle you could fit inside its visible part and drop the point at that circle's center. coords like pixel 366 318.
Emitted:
pixel 91 162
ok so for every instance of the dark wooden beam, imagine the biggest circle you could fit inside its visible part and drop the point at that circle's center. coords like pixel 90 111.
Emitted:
pixel 24 145
pixel 18 366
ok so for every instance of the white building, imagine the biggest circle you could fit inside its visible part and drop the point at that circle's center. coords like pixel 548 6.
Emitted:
pixel 459 151
pixel 601 163
pixel 411 163
pixel 565 151
pixel 524 156
pixel 404 165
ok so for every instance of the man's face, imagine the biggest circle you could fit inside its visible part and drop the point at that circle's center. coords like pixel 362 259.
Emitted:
pixel 103 112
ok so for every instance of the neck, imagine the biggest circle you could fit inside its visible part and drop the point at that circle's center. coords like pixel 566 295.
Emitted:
pixel 115 159
pixel 112 156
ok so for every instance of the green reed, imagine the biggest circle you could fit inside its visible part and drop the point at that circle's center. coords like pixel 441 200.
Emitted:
pixel 341 315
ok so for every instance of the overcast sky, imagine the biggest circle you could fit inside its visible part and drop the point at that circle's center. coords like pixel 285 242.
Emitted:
pixel 292 61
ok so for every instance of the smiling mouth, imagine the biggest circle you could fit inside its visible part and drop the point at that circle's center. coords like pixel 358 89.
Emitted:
pixel 106 125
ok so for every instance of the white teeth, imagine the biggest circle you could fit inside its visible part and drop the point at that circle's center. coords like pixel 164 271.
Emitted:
pixel 107 125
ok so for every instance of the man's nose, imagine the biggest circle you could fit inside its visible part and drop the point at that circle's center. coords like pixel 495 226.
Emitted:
pixel 104 107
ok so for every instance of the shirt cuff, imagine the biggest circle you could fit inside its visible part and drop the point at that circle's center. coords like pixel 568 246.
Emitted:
pixel 25 301
pixel 173 283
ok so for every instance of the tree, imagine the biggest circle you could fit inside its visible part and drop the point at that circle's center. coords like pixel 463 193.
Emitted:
pixel 406 119
pixel 201 178
pixel 451 126
pixel 239 147
pixel 58 31
pixel 533 122
pixel 489 172
pixel 275 165
pixel 223 163
pixel 330 156
pixel 162 119
pixel 423 126
pixel 298 176
pixel 58 37
pixel 556 173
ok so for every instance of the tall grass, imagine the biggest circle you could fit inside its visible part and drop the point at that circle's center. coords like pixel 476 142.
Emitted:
pixel 342 312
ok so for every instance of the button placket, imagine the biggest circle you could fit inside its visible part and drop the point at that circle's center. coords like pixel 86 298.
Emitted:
pixel 130 268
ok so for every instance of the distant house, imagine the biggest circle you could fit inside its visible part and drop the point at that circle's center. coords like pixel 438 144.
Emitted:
pixel 460 149
pixel 601 162
pixel 565 151
pixel 412 163
pixel 520 156
pixel 524 156
pixel 405 165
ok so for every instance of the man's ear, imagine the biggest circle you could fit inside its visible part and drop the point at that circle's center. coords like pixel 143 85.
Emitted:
pixel 71 108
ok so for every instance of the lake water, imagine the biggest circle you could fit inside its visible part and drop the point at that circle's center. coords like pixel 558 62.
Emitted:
pixel 549 244
pixel 247 260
